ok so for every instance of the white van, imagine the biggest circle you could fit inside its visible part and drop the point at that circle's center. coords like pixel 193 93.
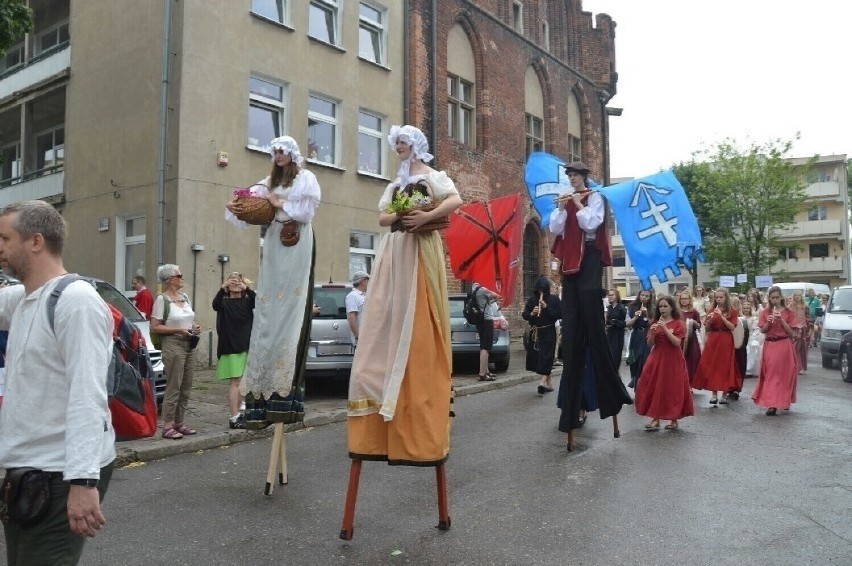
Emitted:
pixel 787 289
pixel 836 322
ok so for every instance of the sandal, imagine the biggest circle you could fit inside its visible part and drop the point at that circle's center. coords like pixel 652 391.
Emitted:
pixel 172 434
pixel 671 426
pixel 185 430
pixel 487 377
pixel 653 426
pixel 714 400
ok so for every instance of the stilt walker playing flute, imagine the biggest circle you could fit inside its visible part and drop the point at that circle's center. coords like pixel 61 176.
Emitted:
pixel 582 246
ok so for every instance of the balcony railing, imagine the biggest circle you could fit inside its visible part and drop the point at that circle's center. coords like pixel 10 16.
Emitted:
pixel 814 229
pixel 38 68
pixel 44 183
pixel 823 189
pixel 830 264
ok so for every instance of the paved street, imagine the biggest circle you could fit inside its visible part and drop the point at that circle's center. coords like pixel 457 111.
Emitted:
pixel 732 486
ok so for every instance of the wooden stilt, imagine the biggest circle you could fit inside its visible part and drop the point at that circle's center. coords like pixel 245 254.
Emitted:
pixel 282 462
pixel 348 528
pixel 615 432
pixel 274 457
pixel 571 444
pixel 443 507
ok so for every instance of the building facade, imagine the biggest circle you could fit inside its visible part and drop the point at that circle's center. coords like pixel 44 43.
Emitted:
pixel 816 249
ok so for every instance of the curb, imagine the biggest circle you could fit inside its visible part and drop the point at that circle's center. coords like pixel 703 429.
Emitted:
pixel 126 455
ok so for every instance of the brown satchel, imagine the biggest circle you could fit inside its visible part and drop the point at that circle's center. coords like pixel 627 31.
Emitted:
pixel 25 496
pixel 289 233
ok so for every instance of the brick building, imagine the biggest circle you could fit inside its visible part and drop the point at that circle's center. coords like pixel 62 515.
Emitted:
pixel 492 80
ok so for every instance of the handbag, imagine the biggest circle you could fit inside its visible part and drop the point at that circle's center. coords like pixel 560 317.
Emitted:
pixel 289 233
pixel 25 496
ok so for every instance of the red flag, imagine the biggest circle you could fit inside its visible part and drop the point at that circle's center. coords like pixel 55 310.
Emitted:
pixel 484 240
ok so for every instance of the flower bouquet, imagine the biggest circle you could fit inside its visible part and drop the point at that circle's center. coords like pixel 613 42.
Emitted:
pixel 252 206
pixel 415 196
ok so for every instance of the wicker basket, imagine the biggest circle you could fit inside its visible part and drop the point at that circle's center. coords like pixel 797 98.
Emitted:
pixel 254 210
pixel 440 223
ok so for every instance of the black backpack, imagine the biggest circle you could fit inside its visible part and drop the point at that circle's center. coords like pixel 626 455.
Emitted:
pixel 472 313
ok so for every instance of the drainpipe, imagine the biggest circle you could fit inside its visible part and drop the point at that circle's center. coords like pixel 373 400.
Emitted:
pixel 164 116
pixel 434 55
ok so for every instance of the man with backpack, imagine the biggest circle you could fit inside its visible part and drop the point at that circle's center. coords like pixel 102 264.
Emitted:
pixel 484 299
pixel 56 436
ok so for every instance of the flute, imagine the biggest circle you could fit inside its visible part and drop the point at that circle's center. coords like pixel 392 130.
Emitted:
pixel 565 197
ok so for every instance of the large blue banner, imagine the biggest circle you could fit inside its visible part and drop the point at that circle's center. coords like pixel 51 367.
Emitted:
pixel 656 224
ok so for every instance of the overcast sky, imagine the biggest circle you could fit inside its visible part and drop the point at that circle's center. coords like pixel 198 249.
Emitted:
pixel 696 72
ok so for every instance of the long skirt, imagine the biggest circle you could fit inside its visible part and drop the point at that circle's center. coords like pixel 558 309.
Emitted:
pixel 800 346
pixel 778 376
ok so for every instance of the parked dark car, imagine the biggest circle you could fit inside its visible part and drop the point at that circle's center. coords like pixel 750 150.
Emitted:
pixel 844 357
pixel 330 349
pixel 465 338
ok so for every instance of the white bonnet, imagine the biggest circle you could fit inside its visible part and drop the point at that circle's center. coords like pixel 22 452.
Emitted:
pixel 413 137
pixel 289 145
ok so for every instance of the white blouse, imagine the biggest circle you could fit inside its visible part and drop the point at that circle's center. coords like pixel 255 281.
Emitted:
pixel 589 218
pixel 440 187
pixel 301 199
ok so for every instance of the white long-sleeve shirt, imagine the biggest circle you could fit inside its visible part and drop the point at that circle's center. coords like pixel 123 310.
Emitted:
pixel 589 218
pixel 55 415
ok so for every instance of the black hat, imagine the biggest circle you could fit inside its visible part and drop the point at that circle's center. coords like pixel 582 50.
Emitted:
pixel 577 167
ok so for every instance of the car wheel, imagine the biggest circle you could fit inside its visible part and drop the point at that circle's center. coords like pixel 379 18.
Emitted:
pixel 502 364
pixel 827 362
pixel 844 367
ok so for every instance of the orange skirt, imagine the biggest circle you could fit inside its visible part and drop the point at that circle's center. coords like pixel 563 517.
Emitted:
pixel 419 434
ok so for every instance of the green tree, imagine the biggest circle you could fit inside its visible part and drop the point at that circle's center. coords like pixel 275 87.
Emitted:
pixel 745 200
pixel 16 19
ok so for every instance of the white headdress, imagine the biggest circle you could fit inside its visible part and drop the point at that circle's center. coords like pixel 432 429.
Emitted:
pixel 419 148
pixel 287 144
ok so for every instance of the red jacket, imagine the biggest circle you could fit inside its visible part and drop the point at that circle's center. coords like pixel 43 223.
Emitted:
pixel 144 301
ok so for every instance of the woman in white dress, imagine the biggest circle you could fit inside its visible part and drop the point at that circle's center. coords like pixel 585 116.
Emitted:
pixel 274 383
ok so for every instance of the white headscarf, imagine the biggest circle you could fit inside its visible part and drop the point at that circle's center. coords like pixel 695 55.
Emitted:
pixel 287 144
pixel 419 148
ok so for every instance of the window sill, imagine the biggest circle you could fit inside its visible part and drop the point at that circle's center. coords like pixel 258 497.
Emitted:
pixel 257 149
pixel 325 164
pixel 375 176
pixel 327 44
pixel 374 64
pixel 273 22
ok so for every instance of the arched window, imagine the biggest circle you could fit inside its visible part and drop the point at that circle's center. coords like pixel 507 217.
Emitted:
pixel 531 259
pixel 533 112
pixel 575 129
pixel 461 87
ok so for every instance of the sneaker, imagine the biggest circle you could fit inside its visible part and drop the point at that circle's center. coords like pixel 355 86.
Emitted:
pixel 237 422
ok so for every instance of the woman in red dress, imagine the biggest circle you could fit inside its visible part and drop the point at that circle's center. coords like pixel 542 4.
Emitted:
pixel 717 370
pixel 776 388
pixel 801 342
pixel 691 345
pixel 663 390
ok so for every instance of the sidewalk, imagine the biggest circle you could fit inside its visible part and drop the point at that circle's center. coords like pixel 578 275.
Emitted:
pixel 208 414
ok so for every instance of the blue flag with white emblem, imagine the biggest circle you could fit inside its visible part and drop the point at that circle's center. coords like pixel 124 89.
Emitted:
pixel 546 179
pixel 656 224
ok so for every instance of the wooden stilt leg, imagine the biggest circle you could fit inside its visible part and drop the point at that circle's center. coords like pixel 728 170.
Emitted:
pixel 443 507
pixel 571 444
pixel 348 528
pixel 282 462
pixel 274 457
pixel 615 432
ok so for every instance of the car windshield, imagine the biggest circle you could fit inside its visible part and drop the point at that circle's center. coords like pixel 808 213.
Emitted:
pixel 841 301
pixel 112 296
pixel 331 301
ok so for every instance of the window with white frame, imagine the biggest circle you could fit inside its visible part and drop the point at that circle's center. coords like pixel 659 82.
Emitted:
pixel 534 134
pixel 362 251
pixel 50 148
pixel 370 146
pixel 817 213
pixel 322 129
pixel 266 111
pixel 460 109
pixel 10 168
pixel 51 38
pixel 274 10
pixel 371 33
pixel 130 249
pixel 14 58
pixel 323 22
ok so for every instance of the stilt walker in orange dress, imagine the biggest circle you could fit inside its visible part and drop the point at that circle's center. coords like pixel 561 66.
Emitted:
pixel 401 385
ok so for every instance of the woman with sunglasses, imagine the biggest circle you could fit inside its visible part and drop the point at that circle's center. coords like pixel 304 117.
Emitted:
pixel 174 319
